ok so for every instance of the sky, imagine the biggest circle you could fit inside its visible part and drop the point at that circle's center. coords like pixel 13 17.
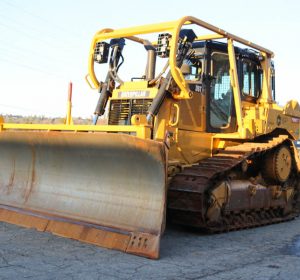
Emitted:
pixel 45 44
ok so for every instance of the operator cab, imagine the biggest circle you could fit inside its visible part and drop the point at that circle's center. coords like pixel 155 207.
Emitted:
pixel 210 74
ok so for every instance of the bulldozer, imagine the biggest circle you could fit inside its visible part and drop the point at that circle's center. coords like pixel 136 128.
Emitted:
pixel 196 139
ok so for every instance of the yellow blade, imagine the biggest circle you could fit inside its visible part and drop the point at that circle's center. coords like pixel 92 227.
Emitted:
pixel 102 188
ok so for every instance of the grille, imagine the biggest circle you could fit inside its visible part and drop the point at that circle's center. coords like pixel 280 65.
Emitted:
pixel 121 111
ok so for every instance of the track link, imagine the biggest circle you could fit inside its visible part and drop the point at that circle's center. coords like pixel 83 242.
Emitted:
pixel 189 198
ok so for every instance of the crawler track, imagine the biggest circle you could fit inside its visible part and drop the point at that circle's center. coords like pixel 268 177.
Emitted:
pixel 189 191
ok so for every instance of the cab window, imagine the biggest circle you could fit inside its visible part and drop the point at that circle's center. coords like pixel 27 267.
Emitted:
pixel 192 67
pixel 251 79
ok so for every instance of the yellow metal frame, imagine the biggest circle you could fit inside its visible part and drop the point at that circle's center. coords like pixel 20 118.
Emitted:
pixel 173 27
pixel 235 86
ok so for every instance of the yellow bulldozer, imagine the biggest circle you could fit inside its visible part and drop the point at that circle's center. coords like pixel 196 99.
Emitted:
pixel 196 139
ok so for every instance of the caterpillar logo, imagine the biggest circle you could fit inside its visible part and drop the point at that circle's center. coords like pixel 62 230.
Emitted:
pixel 134 94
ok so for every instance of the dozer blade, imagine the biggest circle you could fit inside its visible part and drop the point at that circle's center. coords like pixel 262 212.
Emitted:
pixel 101 188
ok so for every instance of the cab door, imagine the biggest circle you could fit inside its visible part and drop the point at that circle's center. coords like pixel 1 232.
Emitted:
pixel 220 105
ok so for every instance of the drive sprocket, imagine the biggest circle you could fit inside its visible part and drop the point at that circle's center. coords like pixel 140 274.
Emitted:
pixel 278 165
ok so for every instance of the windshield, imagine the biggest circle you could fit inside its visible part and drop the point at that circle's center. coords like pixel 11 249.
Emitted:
pixel 192 67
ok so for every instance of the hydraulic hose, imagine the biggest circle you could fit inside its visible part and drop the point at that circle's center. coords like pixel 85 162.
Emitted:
pixel 102 101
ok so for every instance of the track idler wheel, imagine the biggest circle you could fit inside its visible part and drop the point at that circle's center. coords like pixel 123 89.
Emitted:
pixel 278 165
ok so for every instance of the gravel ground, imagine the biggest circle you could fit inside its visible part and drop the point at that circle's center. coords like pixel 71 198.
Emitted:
pixel 271 252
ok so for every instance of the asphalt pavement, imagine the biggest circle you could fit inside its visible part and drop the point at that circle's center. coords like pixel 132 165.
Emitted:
pixel 270 252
